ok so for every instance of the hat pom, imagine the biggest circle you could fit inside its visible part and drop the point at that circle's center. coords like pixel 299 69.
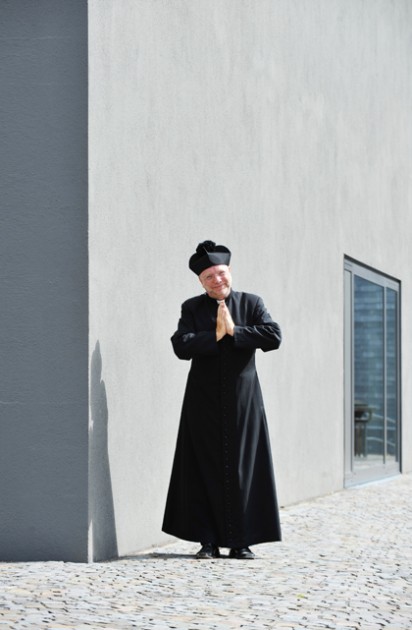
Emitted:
pixel 205 247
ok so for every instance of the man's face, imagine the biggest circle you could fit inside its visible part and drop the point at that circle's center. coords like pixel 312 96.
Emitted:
pixel 217 281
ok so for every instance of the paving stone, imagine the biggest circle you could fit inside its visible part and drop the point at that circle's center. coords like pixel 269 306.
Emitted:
pixel 345 563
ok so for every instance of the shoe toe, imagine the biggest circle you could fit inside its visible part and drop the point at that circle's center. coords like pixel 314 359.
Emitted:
pixel 244 553
pixel 208 551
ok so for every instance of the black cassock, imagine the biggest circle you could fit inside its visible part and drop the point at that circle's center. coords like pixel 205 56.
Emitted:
pixel 222 487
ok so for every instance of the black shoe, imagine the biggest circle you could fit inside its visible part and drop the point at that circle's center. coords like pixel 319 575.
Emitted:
pixel 208 551
pixel 243 553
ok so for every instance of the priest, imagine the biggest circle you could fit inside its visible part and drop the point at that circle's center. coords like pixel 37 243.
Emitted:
pixel 222 490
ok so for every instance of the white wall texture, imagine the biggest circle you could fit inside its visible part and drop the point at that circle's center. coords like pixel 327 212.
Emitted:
pixel 282 129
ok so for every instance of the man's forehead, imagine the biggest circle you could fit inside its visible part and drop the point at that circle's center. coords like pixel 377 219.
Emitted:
pixel 214 269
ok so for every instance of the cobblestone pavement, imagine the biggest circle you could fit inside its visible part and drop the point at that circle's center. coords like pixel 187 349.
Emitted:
pixel 345 563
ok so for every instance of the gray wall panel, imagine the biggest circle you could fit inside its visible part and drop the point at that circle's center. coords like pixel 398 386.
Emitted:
pixel 44 286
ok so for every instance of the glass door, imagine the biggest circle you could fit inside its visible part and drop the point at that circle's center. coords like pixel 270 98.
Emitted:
pixel 371 375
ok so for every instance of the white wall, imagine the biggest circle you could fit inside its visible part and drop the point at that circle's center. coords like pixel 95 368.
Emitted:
pixel 281 129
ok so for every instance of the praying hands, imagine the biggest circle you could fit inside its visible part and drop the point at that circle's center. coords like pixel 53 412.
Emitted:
pixel 224 322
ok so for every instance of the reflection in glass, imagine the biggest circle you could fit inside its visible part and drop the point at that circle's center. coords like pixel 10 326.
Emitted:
pixel 369 357
pixel 391 376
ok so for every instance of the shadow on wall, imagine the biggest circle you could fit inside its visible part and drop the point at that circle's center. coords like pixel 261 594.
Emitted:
pixel 102 525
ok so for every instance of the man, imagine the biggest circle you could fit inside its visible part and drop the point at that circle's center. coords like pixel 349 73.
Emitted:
pixel 222 490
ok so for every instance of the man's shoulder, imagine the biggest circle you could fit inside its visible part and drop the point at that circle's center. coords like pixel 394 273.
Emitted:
pixel 244 296
pixel 195 301
pixel 237 296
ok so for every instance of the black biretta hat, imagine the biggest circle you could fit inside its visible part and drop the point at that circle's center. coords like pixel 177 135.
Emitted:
pixel 207 255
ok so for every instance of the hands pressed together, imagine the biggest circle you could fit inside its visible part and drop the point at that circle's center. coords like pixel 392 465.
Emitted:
pixel 224 322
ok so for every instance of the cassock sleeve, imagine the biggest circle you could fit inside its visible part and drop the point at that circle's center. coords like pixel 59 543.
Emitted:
pixel 262 333
pixel 187 342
